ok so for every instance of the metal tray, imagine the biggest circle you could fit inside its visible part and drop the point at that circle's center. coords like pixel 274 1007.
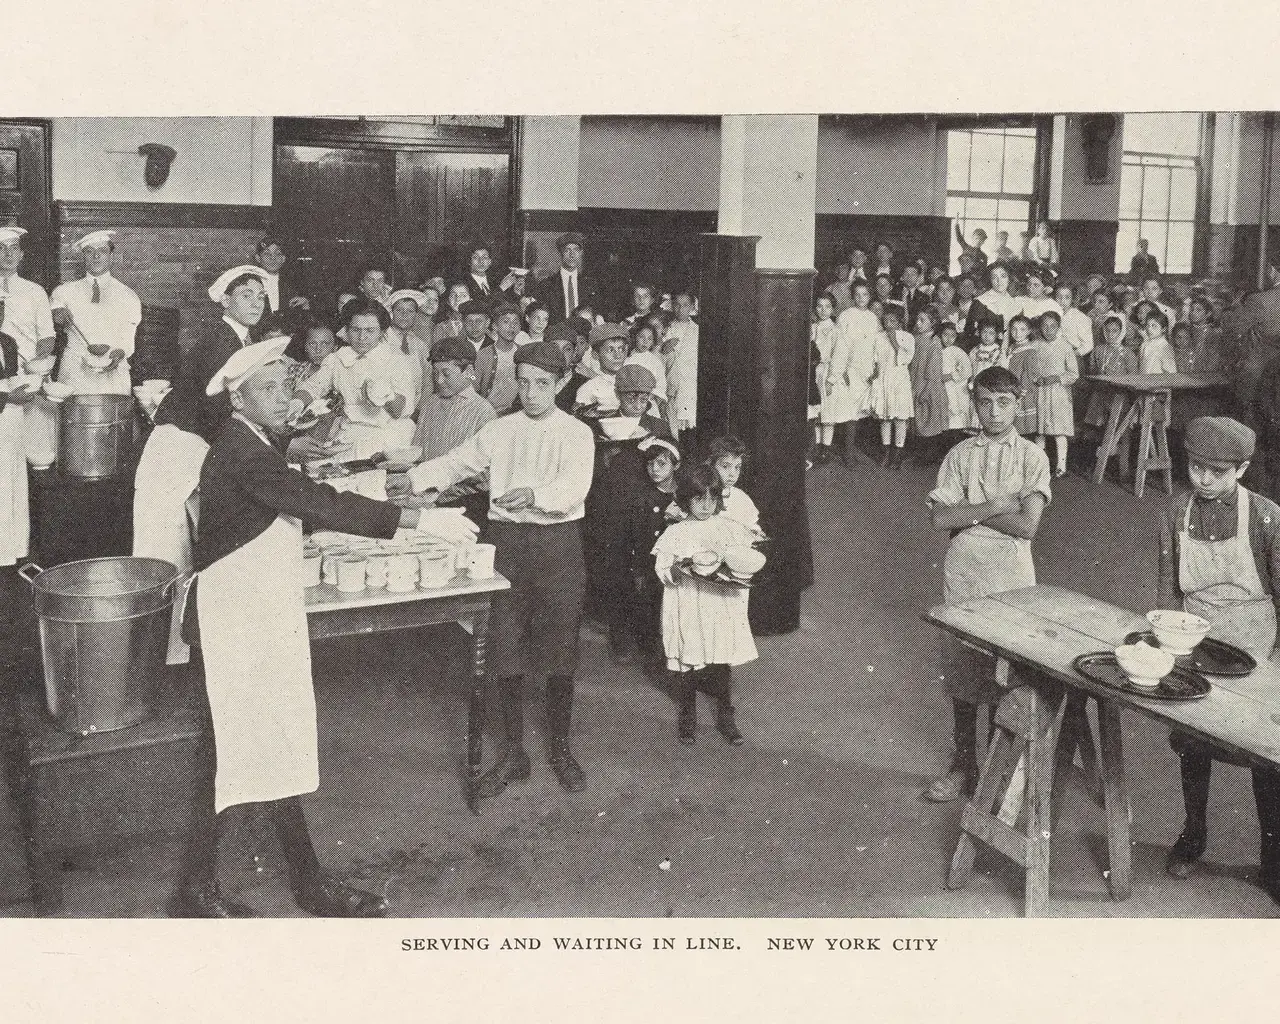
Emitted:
pixel 1212 657
pixel 721 576
pixel 1180 684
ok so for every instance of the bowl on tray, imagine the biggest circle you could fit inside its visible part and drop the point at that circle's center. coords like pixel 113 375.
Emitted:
pixel 743 562
pixel 619 428
pixel 56 392
pixel 705 563
pixel 1178 632
pixel 1144 665
pixel 41 366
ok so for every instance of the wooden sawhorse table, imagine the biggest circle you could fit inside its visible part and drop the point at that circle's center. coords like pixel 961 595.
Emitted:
pixel 1135 399
pixel 1035 635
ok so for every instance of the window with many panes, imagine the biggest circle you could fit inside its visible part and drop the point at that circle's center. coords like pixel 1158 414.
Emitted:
pixel 1158 180
pixel 990 183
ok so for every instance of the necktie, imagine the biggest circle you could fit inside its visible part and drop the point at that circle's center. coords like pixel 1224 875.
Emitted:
pixel 97 292
pixel 571 293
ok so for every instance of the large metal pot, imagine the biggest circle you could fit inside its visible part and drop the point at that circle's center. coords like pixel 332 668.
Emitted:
pixel 96 435
pixel 104 632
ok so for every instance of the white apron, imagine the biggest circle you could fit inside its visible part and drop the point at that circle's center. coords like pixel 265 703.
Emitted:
pixel 15 522
pixel 1219 582
pixel 40 432
pixel 166 512
pixel 257 668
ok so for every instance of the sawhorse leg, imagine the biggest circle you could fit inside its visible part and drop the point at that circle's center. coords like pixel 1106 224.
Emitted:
pixel 1024 722
pixel 1109 438
pixel 475 711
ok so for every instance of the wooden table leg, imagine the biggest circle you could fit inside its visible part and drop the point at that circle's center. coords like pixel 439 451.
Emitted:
pixel 1039 796
pixel 1109 438
pixel 1145 424
pixel 475 711
pixel 1162 447
pixel 1115 801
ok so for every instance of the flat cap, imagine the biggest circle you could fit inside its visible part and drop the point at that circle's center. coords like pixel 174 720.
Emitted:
pixel 632 377
pixel 1219 440
pixel 503 308
pixel 474 307
pixel 607 332
pixel 570 238
pixel 545 355
pixel 453 349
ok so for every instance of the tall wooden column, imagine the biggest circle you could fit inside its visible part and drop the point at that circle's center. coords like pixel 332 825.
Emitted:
pixel 754 337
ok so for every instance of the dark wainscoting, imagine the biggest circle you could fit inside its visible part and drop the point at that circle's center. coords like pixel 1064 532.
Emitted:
pixel 1087 246
pixel 838 233
pixel 161 215
pixel 623 246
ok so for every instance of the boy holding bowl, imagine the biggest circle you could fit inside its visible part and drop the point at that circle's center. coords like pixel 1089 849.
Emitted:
pixel 1220 559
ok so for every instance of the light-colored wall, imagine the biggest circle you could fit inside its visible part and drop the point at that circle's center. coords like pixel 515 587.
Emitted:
pixel 649 163
pixel 1083 199
pixel 767 185
pixel 549 163
pixel 890 166
pixel 224 160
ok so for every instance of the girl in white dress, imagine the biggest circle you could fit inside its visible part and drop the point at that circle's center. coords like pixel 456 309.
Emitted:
pixel 995 304
pixel 987 353
pixel 892 399
pixel 831 383
pixel 1054 370
pixel 725 455
pixel 1038 301
pixel 956 372
pixel 704 624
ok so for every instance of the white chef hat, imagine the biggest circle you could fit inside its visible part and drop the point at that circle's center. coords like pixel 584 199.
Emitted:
pixel 245 363
pixel 219 287
pixel 11 234
pixel 406 293
pixel 96 238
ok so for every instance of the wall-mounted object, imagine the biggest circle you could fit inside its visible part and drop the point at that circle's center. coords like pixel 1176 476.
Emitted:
pixel 159 158
pixel 1095 133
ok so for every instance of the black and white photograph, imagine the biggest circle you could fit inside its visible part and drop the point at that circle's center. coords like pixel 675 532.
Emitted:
pixel 562 531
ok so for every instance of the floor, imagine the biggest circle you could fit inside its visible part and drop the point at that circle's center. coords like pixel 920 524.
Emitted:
pixel 819 814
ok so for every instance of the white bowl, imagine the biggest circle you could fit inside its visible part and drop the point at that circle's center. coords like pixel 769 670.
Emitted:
pixel 25 381
pixel 705 563
pixel 40 366
pixel 744 562
pixel 1144 665
pixel 56 392
pixel 1178 632
pixel 156 384
pixel 619 428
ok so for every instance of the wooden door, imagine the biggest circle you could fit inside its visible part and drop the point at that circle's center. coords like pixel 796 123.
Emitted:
pixel 446 201
pixel 25 196
pixel 334 208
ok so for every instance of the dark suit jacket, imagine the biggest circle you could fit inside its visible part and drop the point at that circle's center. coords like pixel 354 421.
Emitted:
pixel 284 318
pixel 205 358
pixel 550 293
pixel 245 485
pixel 9 348
pixel 918 301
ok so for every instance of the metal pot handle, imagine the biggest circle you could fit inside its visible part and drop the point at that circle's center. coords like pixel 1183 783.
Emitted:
pixel 24 570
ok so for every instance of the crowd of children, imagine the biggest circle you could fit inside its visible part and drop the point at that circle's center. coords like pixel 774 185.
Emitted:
pixel 903 352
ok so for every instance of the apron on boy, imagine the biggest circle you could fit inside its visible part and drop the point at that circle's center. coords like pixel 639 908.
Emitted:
pixel 260 690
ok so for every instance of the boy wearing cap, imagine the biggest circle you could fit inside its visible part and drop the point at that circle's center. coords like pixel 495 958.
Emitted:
pixel 283 303
pixel 101 317
pixel 1220 559
pixel 609 343
pixel 399 335
pixel 475 324
pixel 495 364
pixel 257 669
pixel 451 414
pixel 539 462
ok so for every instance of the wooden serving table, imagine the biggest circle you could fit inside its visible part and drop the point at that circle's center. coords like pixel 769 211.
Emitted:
pixel 1036 634
pixel 1134 397
pixel 330 614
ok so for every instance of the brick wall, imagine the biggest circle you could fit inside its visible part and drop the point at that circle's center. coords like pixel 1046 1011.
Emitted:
pixel 168 264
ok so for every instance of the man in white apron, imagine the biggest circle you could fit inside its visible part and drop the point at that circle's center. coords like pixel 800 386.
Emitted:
pixel 17 638
pixel 100 316
pixel 1219 559
pixel 165 502
pixel 25 317
pixel 990 494
pixel 247 615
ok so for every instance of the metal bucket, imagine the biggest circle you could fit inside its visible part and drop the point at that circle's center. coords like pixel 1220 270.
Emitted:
pixel 104 632
pixel 96 435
